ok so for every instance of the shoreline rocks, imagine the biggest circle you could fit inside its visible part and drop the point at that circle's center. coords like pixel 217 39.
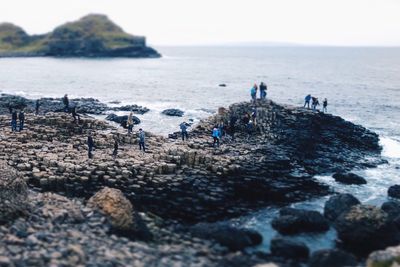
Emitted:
pixel 349 178
pixel 173 112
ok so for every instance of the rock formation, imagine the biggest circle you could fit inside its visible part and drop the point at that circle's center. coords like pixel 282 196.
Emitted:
pixel 91 36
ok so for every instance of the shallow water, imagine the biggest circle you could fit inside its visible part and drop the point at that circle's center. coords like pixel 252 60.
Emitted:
pixel 361 84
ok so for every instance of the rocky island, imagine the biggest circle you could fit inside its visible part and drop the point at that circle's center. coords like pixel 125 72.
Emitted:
pixel 167 207
pixel 91 36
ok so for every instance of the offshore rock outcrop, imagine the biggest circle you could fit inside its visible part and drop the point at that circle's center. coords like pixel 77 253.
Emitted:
pixel 91 36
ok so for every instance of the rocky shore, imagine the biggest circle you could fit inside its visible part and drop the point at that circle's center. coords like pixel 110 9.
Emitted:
pixel 175 187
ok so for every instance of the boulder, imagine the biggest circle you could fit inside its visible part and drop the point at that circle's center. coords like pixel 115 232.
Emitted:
pixel 394 191
pixel 173 112
pixel 332 258
pixel 233 238
pixel 13 194
pixel 289 249
pixel 293 221
pixel 349 178
pixel 338 204
pixel 363 229
pixel 388 257
pixel 122 120
pixel 392 208
pixel 115 206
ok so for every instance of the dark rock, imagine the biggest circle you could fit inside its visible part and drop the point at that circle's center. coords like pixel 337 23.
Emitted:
pixel 226 235
pixel 338 204
pixel 122 120
pixel 289 249
pixel 349 178
pixel 134 108
pixel 293 221
pixel 332 258
pixel 173 112
pixel 394 191
pixel 392 208
pixel 363 229
pixel 222 85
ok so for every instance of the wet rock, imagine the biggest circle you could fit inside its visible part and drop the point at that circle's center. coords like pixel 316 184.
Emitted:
pixel 231 237
pixel 382 258
pixel 289 249
pixel 338 204
pixel 394 191
pixel 363 229
pixel 173 112
pixel 293 221
pixel 392 208
pixel 332 258
pixel 222 85
pixel 133 108
pixel 122 120
pixel 349 178
pixel 13 194
pixel 115 206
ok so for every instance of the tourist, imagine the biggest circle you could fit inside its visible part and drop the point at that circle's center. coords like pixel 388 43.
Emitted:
pixel 221 129
pixel 216 136
pixel 142 140
pixel 21 117
pixel 263 90
pixel 184 132
pixel 66 103
pixel 314 103
pixel 307 100
pixel 254 116
pixel 253 93
pixel 232 121
pixel 245 119
pixel 325 105
pixel 37 106
pixel 90 144
pixel 129 123
pixel 75 114
pixel 14 117
pixel 115 152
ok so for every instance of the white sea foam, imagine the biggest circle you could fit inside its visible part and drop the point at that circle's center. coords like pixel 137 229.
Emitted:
pixel 391 147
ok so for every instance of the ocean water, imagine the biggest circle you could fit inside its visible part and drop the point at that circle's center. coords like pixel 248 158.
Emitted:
pixel 361 84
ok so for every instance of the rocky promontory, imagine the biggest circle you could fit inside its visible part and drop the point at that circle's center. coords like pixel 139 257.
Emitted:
pixel 183 187
pixel 91 36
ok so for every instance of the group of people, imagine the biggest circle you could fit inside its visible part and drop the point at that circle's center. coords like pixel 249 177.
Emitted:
pixel 263 91
pixel 15 116
pixel 315 103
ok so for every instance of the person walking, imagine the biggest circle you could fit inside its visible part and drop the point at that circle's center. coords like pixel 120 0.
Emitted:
pixel 232 124
pixel 325 105
pixel 37 106
pixel 116 145
pixel 215 135
pixel 14 117
pixel 184 132
pixel 66 103
pixel 129 123
pixel 142 140
pixel 253 93
pixel 307 100
pixel 21 117
pixel 90 144
pixel 75 114
pixel 263 90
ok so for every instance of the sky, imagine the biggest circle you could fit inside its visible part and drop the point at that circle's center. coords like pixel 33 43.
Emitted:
pixel 219 22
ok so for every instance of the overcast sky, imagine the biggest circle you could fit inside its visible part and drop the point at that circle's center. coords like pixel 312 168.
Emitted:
pixel 199 22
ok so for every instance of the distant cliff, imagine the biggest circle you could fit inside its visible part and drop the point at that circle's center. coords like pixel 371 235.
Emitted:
pixel 91 36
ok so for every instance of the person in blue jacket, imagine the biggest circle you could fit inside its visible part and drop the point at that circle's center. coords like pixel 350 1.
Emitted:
pixel 216 136
pixel 253 92
pixel 307 100
pixel 184 132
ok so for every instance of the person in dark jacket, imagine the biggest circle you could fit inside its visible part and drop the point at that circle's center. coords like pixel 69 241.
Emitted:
pixel 116 145
pixel 21 117
pixel 90 144
pixel 14 117
pixel 66 103
pixel 37 106
pixel 232 124
pixel 142 140
pixel 263 90
pixel 75 115
pixel 325 105
pixel 184 132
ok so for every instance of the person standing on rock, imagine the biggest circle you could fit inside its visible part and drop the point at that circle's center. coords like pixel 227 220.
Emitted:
pixel 14 117
pixel 254 116
pixel 184 132
pixel 325 105
pixel 253 93
pixel 21 117
pixel 142 140
pixel 66 103
pixel 116 145
pixel 307 100
pixel 315 103
pixel 75 114
pixel 263 90
pixel 129 123
pixel 232 122
pixel 90 144
pixel 37 106
pixel 215 135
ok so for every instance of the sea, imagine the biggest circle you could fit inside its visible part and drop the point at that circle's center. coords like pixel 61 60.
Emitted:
pixel 362 85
